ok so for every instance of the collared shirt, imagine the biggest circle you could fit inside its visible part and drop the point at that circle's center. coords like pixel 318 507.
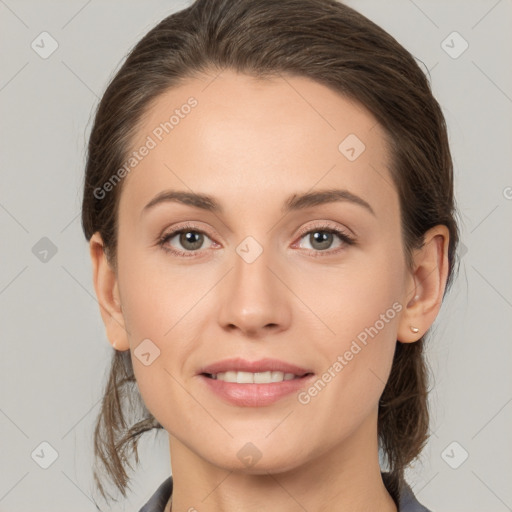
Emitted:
pixel 157 502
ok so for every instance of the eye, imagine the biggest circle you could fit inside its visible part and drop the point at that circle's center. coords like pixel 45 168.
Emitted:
pixel 185 241
pixel 188 240
pixel 322 238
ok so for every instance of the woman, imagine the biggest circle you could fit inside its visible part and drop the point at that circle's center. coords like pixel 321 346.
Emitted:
pixel 269 205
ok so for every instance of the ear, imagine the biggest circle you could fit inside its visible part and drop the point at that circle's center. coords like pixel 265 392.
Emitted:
pixel 107 293
pixel 425 285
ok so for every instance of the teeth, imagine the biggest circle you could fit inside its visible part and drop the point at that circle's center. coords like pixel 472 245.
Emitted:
pixel 262 377
pixel 254 378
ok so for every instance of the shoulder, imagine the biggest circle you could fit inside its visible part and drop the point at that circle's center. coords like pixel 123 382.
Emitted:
pixel 404 497
pixel 160 498
pixel 408 502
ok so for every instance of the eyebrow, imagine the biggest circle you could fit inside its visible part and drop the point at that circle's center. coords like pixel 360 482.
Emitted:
pixel 293 203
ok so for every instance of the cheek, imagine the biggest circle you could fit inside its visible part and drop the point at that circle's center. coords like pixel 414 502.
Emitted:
pixel 163 314
pixel 156 294
pixel 361 307
pixel 350 299
pixel 357 357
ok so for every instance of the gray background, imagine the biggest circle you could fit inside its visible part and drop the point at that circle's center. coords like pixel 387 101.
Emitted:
pixel 54 349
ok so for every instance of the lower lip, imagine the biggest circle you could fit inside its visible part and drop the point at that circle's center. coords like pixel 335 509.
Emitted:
pixel 255 395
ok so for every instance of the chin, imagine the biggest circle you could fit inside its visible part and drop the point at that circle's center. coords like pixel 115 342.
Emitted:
pixel 252 461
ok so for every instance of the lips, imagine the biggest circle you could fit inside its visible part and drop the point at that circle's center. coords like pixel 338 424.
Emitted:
pixel 262 365
pixel 254 383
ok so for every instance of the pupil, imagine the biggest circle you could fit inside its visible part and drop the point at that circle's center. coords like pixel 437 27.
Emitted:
pixel 323 238
pixel 191 238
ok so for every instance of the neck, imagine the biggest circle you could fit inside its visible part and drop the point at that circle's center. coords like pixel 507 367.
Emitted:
pixel 344 478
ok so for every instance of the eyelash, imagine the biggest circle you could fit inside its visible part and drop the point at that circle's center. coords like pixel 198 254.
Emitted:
pixel 343 236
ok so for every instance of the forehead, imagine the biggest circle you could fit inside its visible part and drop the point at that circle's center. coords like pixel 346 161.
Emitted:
pixel 247 139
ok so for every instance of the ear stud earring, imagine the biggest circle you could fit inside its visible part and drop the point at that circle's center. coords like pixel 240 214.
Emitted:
pixel 414 329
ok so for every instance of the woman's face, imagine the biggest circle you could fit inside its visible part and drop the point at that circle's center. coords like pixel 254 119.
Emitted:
pixel 259 272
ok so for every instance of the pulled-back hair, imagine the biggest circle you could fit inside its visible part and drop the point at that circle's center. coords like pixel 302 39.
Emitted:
pixel 329 43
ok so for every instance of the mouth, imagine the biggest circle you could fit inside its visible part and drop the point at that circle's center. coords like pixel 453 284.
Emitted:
pixel 266 377
pixel 259 383
pixel 263 371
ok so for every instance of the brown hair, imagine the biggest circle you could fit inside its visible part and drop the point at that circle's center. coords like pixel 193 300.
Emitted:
pixel 334 45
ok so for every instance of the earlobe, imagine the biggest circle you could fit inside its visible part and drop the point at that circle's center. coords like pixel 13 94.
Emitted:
pixel 107 293
pixel 427 285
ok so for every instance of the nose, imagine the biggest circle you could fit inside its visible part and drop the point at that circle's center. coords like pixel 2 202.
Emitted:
pixel 254 299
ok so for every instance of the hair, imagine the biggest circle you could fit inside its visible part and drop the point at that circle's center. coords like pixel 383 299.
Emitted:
pixel 333 45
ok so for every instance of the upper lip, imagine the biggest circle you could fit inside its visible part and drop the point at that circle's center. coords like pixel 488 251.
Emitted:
pixel 238 364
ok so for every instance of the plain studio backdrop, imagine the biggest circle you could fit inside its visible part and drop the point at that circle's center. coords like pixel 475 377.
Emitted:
pixel 54 349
